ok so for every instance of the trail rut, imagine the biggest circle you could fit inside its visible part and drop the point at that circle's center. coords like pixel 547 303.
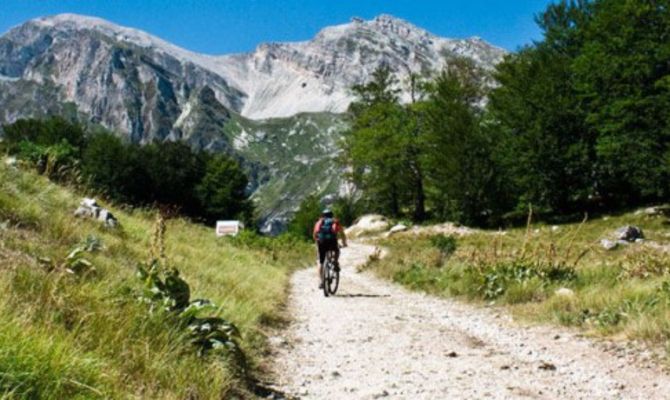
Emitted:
pixel 377 340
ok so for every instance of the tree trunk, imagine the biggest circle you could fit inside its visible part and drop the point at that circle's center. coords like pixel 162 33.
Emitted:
pixel 419 198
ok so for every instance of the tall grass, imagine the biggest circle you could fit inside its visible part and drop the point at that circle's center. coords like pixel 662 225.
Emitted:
pixel 65 335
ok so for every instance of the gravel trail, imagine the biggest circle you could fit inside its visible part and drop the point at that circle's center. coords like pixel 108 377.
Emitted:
pixel 377 340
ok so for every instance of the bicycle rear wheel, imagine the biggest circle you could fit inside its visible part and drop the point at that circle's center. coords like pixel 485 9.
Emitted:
pixel 325 278
pixel 333 276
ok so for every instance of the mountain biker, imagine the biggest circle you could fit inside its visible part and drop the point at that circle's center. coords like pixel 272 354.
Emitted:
pixel 326 232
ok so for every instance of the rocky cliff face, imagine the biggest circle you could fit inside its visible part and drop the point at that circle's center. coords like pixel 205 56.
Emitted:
pixel 116 76
pixel 277 108
pixel 131 81
pixel 281 79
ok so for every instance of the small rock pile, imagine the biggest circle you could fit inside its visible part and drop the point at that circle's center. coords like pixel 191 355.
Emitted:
pixel 89 208
pixel 623 236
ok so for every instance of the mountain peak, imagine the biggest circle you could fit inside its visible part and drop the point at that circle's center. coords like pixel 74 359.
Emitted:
pixel 76 21
pixel 388 18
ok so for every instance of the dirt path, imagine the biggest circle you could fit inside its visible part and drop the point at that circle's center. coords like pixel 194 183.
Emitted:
pixel 377 340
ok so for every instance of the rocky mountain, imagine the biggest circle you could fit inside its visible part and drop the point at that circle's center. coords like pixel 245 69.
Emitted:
pixel 279 108
pixel 282 79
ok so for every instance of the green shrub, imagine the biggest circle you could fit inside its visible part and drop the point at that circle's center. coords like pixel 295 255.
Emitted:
pixel 54 161
pixel 497 279
pixel 445 244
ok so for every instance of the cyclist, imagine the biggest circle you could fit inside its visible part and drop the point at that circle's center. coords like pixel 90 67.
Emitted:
pixel 326 232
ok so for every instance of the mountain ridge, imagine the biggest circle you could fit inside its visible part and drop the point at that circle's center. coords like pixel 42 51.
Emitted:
pixel 281 79
pixel 279 109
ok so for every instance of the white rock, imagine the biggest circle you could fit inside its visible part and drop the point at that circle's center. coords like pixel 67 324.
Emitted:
pixel 88 208
pixel 609 244
pixel 368 224
pixel 564 292
pixel 10 161
pixel 89 202
pixel 398 228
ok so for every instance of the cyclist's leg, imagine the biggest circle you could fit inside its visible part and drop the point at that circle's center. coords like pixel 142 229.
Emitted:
pixel 321 250
pixel 336 248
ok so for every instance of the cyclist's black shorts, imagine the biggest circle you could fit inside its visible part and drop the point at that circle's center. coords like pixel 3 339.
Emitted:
pixel 325 246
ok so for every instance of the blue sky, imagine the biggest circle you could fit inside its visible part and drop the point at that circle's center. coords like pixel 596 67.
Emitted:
pixel 230 26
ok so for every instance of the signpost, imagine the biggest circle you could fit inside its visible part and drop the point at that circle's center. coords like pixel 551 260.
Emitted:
pixel 228 228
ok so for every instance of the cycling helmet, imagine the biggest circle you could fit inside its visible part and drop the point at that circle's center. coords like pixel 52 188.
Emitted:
pixel 328 213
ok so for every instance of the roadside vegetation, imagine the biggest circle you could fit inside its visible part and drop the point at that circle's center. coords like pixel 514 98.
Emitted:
pixel 553 274
pixel 76 320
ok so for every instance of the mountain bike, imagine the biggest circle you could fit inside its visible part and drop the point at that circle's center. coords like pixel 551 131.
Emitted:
pixel 330 274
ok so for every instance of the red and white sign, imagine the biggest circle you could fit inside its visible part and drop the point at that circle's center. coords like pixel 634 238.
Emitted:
pixel 228 228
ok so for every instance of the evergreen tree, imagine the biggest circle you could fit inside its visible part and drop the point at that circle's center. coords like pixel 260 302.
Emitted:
pixel 222 190
pixel 377 148
pixel 456 151
pixel 623 77
pixel 543 141
pixel 115 167
pixel 173 170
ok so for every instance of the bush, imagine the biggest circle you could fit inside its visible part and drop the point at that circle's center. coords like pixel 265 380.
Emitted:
pixel 497 279
pixel 445 244
pixel 55 161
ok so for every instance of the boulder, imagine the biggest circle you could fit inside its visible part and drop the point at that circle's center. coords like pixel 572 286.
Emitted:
pixel 106 217
pixel 368 224
pixel 564 292
pixel 629 233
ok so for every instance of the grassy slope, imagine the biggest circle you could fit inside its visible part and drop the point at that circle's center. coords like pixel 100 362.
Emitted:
pixel 299 146
pixel 64 336
pixel 618 293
